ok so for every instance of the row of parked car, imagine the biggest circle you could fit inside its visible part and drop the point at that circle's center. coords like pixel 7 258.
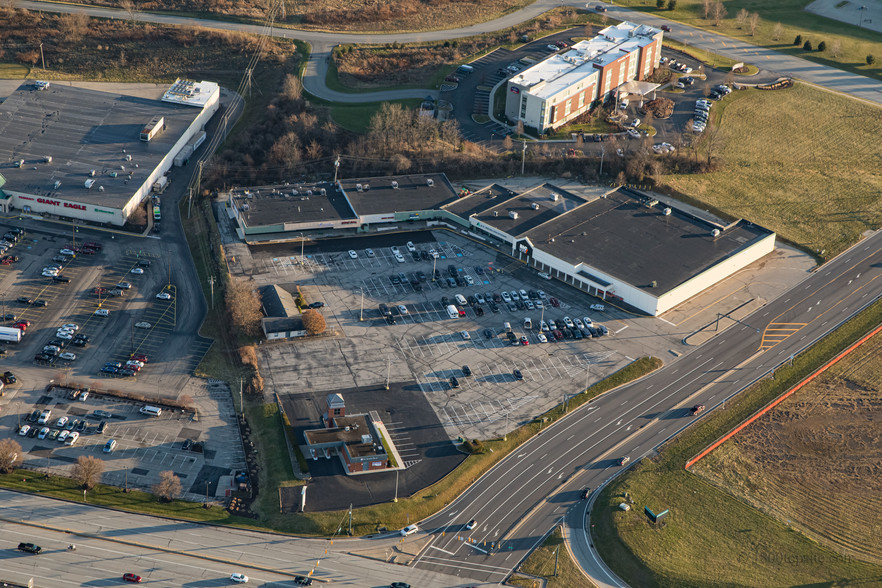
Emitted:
pixel 702 112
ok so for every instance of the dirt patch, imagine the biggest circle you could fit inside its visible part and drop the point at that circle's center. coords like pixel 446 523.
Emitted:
pixel 815 461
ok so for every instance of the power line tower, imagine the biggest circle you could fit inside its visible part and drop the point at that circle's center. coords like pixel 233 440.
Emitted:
pixel 248 80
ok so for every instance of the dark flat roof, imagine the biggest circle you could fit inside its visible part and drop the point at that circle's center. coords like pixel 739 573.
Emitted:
pixel 412 193
pixel 480 201
pixel 83 130
pixel 533 208
pixel 622 237
pixel 292 203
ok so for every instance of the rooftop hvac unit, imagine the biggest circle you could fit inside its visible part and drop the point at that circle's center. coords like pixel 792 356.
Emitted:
pixel 57 184
pixel 246 207
pixel 715 232
pixel 92 173
pixel 495 213
pixel 358 187
pixel 100 188
pixel 367 187
pixel 366 438
pixel 47 159
pixel 555 196
pixel 651 203
pixel 309 192
pixel 324 192
pixel 294 192
pixel 394 185
pixel 88 184
pixel 128 157
pixel 667 212
pixel 430 182
pixel 534 206
pixel 122 168
pixel 513 214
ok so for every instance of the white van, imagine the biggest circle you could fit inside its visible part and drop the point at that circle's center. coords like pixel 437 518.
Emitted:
pixel 151 410
pixel 452 311
pixel 460 299
pixel 528 324
pixel 507 327
pixel 409 530
pixel 102 312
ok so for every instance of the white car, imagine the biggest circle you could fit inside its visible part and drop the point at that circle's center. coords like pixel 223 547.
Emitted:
pixel 71 327
pixel 551 47
pixel 164 296
pixel 469 280
pixel 102 312
pixel 506 297
pixel 411 247
pixel 465 335
pixel 369 252
pixel 67 252
pixel 353 254
pixel 109 446
pixel 143 325
pixel 633 133
pixel 544 276
pixel 24 430
pixel 541 294
pixel 409 530
pixel 62 436
pixel 433 254
pixel 472 524
pixel 395 250
pixel 514 295
pixel 137 271
pixel 44 417
pixel 542 338
pixel 239 578
pixel 140 364
pixel 635 123
pixel 579 323
pixel 598 307
pixel 543 326
pixel 480 298
pixel 399 258
pixel 64 335
pixel 68 356
pixel 569 322
pixel 72 438
pixel 62 421
pixel 47 274
pixel 588 322
pixel 402 309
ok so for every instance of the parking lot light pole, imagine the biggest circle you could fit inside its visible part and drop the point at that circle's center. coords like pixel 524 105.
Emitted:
pixel 396 486
pixel 361 314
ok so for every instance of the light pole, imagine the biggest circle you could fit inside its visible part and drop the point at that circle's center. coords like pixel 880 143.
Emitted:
pixel 602 153
pixel 523 157
pixel 396 486
pixel 361 314
pixel 207 483
pixel 301 248
pixel 434 262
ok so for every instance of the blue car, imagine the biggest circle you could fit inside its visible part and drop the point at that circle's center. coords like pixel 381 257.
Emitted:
pixel 109 370
pixel 113 364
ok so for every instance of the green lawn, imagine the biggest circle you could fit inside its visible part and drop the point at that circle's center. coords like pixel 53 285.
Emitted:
pixel 13 71
pixel 855 42
pixel 357 117
pixel 711 538
pixel 541 563
pixel 803 162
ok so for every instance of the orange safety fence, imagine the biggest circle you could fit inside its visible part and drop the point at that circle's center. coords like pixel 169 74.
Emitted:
pixel 781 398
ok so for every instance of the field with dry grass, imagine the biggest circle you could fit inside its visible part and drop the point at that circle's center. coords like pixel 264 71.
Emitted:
pixel 815 461
pixel 803 162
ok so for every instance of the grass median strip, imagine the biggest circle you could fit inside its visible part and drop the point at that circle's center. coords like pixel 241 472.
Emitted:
pixel 710 537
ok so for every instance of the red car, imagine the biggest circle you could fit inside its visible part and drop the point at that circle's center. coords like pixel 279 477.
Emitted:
pixel 130 577
pixel 93 245
pixel 554 302
pixel 139 357
pixel 100 290
pixel 87 251
pixel 21 326
pixel 666 28
pixel 524 341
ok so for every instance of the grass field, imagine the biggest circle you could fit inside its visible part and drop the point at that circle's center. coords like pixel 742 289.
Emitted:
pixel 710 537
pixel 856 43
pixel 541 563
pixel 823 474
pixel 803 162
pixel 357 117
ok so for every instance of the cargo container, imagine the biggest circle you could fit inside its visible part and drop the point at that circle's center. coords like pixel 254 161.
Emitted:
pixel 153 128
pixel 10 334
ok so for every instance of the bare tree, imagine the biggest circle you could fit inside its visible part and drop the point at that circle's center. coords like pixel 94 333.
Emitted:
pixel 777 31
pixel 169 486
pixel 87 471
pixel 74 26
pixel 507 143
pixel 706 7
pixel 130 8
pixel 719 13
pixel 753 22
pixel 10 455
pixel 400 163
pixel 314 150
pixel 741 17
pixel 835 48
pixel 292 87
pixel 243 304
pixel 313 321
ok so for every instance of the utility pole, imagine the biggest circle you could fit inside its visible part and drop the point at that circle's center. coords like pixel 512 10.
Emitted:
pixel 350 520
pixel 301 248
pixel 555 560
pixel 42 58
pixel 132 329
pixel 241 400
pixel 211 285
pixel 388 372
pixel 248 81
pixel 396 486
pixel 602 153
pixel 523 157
pixel 336 168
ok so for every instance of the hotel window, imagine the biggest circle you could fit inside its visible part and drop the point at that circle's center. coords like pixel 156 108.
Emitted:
pixel 568 108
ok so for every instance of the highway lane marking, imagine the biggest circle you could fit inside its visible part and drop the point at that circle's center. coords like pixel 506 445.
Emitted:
pixel 475 566
pixel 440 549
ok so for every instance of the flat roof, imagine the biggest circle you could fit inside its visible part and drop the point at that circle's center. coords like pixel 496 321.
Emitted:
pixel 292 203
pixel 412 193
pixel 479 201
pixel 533 208
pixel 358 425
pixel 582 60
pixel 190 93
pixel 622 237
pixel 83 130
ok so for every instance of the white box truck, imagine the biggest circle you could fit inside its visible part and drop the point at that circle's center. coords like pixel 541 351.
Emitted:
pixel 10 334
pixel 452 312
pixel 160 185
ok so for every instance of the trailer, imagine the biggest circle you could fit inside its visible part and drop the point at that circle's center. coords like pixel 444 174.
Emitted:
pixel 183 156
pixel 156 214
pixel 10 334
pixel 160 185
pixel 197 140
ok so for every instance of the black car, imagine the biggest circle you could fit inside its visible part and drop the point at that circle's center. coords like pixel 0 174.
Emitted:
pixel 421 276
pixel 460 282
pixel 42 357
pixel 479 310
pixel 520 305
pixel 493 306
pixel 416 286
pixel 40 302
pixel 416 255
pixel 9 316
pixel 472 300
pixel 144 263
pixel 34 416
pixel 81 426
pixel 33 432
pixel 399 585
pixel 395 279
pixel 577 334
pixel 302 581
pixel 436 275
pixel 424 255
pixel 479 270
pixel 585 493
pixel 518 375
pixel 487 333
pixel 156 227
pixel 29 547
pixel 454 383
pixel 60 343
pixel 24 300
pixel 61 279
pixel 466 371
pixel 451 269
pixel 61 259
pixel 317 305
pixel 9 378
pixel 185 446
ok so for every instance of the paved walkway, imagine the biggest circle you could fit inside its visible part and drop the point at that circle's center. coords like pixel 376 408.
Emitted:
pixel 863 13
